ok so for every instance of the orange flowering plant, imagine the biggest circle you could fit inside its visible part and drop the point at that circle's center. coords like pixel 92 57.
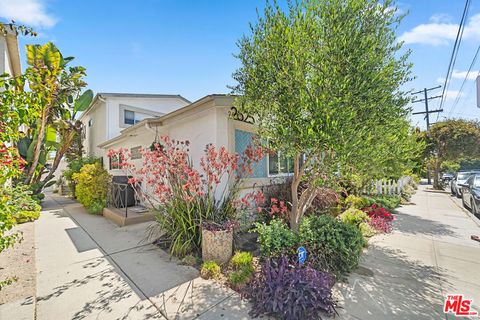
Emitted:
pixel 188 197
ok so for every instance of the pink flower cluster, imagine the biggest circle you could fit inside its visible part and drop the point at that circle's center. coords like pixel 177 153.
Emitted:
pixel 380 218
pixel 167 168
pixel 278 209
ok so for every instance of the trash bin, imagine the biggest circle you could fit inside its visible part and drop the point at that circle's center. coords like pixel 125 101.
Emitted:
pixel 125 194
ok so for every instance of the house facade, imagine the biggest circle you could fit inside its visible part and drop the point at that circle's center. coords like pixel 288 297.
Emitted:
pixel 110 113
pixel 211 119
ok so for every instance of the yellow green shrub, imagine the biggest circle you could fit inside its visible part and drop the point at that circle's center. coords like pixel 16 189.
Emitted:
pixel 92 184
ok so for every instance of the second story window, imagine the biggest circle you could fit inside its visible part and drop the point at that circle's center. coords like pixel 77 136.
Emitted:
pixel 129 117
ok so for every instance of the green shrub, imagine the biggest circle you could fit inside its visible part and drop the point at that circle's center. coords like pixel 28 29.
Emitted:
pixel 389 202
pixel 210 270
pixel 241 259
pixel 74 167
pixel 242 264
pixel 366 229
pixel 355 202
pixel 332 245
pixel 241 276
pixel 354 216
pixel 93 182
pixel 24 206
pixel 275 238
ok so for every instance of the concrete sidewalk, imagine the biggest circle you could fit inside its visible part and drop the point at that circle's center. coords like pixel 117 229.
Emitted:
pixel 407 274
pixel 87 268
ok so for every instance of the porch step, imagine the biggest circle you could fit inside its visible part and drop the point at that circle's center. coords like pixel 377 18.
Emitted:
pixel 118 216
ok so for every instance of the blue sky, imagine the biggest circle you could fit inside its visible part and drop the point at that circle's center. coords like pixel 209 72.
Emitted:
pixel 187 47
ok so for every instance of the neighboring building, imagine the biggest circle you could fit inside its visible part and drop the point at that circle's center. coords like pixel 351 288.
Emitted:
pixel 110 113
pixel 211 119
pixel 9 54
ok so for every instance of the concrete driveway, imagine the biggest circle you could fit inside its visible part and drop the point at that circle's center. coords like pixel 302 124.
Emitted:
pixel 88 268
pixel 408 273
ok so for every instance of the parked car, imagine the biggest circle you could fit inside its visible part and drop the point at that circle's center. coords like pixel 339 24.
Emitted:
pixel 460 178
pixel 471 193
pixel 447 177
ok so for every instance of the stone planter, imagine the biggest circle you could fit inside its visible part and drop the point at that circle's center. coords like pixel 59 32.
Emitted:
pixel 217 245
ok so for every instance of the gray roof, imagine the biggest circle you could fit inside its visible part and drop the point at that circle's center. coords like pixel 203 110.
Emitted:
pixel 142 95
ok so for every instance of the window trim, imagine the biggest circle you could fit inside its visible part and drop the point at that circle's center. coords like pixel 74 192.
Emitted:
pixel 121 114
pixel 280 174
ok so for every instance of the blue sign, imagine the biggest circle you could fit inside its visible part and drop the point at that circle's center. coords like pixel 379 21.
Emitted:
pixel 302 255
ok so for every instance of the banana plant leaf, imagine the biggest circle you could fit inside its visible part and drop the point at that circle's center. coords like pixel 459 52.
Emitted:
pixel 23 145
pixel 82 103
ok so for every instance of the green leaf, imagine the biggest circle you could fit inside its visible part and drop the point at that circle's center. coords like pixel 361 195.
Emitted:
pixel 31 150
pixel 83 102
pixel 50 183
pixel 23 145
pixel 51 134
pixel 43 158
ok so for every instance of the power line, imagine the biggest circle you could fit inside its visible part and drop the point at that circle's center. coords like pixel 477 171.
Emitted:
pixel 453 57
pixel 464 80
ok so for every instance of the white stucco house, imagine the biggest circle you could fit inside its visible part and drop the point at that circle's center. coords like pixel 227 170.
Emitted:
pixel 211 119
pixel 110 113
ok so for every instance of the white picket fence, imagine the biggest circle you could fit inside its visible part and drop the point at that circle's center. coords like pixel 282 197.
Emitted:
pixel 385 186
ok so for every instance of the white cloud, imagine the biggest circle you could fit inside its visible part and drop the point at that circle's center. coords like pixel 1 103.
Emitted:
pixel 441 80
pixel 30 12
pixel 452 94
pixel 462 74
pixel 440 31
pixel 441 18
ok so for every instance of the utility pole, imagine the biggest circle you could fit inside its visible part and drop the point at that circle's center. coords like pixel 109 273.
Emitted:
pixel 427 112
pixel 426 99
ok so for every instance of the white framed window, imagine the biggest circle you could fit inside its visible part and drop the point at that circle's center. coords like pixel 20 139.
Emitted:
pixel 129 117
pixel 279 164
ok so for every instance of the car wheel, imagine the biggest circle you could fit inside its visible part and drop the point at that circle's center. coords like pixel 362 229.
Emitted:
pixel 464 203
pixel 474 208
pixel 452 191
pixel 458 194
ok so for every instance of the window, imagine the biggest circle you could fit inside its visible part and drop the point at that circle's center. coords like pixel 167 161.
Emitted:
pixel 116 162
pixel 90 122
pixel 476 183
pixel 279 164
pixel 129 117
pixel 136 154
pixel 242 140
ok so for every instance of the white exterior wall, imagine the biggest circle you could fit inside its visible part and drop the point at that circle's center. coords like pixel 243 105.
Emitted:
pixel 149 107
pixel 95 134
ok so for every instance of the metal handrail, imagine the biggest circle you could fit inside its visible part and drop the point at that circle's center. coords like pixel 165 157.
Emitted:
pixel 115 198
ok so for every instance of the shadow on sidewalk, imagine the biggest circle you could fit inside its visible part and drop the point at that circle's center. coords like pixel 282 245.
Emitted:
pixel 394 287
pixel 412 224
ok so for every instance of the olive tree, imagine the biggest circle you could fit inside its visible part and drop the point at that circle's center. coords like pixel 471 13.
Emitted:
pixel 323 79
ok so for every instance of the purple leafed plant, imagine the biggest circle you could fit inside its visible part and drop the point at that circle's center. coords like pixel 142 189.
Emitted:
pixel 290 291
pixel 228 225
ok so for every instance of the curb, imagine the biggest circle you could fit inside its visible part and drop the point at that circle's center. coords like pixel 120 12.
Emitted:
pixel 467 213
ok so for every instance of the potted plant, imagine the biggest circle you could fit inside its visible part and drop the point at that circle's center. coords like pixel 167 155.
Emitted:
pixel 217 241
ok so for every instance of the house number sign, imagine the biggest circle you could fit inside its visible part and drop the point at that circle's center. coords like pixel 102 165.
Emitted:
pixel 237 115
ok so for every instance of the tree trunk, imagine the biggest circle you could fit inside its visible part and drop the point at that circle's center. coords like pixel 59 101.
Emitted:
pixel 38 146
pixel 436 173
pixel 295 214
pixel 58 157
